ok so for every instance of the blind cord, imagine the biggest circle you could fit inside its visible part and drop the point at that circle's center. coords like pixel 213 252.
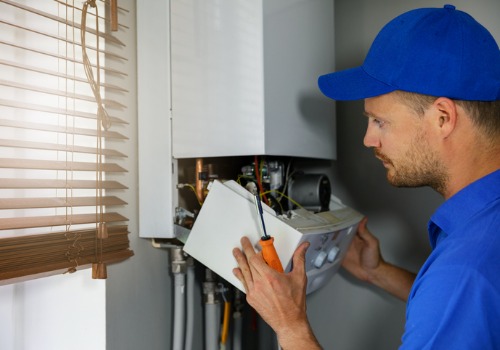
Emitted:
pixel 74 250
pixel 103 122
pixel 102 114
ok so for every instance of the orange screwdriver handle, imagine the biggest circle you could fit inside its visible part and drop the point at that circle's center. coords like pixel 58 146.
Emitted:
pixel 269 254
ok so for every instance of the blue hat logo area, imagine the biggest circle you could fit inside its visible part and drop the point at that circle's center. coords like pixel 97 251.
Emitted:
pixel 432 51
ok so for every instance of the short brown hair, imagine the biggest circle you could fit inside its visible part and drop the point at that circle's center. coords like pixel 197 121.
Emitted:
pixel 484 114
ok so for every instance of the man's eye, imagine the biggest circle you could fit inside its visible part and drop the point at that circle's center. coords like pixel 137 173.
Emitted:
pixel 378 122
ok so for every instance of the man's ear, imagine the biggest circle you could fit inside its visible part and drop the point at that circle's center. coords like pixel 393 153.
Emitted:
pixel 446 116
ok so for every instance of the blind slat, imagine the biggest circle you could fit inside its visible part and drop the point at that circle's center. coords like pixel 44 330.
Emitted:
pixel 76 8
pixel 59 254
pixel 52 110
pixel 60 129
pixel 58 56
pixel 48 238
pixel 40 70
pixel 109 38
pixel 56 220
pixel 58 147
pixel 108 103
pixel 46 270
pixel 108 53
pixel 58 184
pixel 58 202
pixel 52 249
pixel 57 165
pixel 48 248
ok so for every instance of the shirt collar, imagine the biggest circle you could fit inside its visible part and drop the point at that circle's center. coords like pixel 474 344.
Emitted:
pixel 458 209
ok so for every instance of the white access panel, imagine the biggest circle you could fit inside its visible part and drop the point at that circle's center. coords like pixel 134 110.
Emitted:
pixel 244 78
pixel 228 214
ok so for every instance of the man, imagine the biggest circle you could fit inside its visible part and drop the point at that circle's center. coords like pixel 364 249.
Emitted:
pixel 431 85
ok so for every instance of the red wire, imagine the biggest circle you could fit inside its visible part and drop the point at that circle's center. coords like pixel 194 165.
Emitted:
pixel 259 181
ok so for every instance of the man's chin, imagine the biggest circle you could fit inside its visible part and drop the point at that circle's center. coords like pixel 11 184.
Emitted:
pixel 401 182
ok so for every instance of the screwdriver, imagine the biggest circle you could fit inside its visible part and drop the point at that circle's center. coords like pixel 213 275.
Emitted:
pixel 267 242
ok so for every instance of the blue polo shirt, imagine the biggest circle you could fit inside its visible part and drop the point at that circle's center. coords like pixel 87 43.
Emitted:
pixel 454 303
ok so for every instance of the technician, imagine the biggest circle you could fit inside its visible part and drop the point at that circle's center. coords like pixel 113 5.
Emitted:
pixel 431 86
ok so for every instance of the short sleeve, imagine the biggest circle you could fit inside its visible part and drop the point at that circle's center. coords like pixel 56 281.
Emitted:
pixel 452 307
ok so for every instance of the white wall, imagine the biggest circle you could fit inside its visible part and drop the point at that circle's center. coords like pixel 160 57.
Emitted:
pixel 59 312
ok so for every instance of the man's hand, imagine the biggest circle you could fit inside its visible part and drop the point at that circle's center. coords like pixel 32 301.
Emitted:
pixel 363 256
pixel 364 261
pixel 279 298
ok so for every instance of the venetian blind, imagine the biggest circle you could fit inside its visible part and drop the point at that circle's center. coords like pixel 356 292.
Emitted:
pixel 61 132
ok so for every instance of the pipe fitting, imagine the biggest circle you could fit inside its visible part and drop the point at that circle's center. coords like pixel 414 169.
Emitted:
pixel 210 288
pixel 179 260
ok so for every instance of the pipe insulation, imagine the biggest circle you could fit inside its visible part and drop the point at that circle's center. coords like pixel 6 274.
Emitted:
pixel 237 330
pixel 211 327
pixel 179 311
pixel 190 306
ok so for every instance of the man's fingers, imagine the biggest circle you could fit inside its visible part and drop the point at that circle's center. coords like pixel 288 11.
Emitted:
pixel 255 260
pixel 244 272
pixel 299 257
pixel 239 275
pixel 362 225
pixel 247 247
pixel 363 231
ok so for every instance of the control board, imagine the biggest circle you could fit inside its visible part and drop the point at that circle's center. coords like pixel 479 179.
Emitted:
pixel 329 234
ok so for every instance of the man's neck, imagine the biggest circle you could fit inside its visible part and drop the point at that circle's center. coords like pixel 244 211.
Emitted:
pixel 471 167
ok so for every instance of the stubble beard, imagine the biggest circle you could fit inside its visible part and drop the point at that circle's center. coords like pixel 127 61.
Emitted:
pixel 418 167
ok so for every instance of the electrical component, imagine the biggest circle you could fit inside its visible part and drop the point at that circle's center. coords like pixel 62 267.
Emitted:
pixel 312 191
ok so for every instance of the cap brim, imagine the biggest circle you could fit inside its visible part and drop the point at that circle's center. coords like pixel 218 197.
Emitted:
pixel 352 84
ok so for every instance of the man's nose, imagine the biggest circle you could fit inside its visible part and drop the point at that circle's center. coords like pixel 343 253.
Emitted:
pixel 371 138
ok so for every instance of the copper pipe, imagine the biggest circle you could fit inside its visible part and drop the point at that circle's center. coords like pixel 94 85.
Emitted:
pixel 199 182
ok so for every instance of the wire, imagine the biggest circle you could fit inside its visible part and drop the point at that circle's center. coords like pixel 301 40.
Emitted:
pixel 288 176
pixel 261 170
pixel 274 199
pixel 238 179
pixel 192 188
pixel 258 177
pixel 283 195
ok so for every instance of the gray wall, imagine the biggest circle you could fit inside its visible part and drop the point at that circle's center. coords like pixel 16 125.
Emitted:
pixel 346 314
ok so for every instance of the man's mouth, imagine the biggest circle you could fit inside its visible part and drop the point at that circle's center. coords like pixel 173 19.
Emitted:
pixel 385 160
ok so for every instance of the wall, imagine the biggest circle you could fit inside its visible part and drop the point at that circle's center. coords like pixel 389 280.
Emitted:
pixel 138 291
pixel 346 314
pixel 52 312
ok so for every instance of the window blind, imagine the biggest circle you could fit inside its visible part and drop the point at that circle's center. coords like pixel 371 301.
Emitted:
pixel 61 131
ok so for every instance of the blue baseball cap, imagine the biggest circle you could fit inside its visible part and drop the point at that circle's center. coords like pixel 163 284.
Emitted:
pixel 432 51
